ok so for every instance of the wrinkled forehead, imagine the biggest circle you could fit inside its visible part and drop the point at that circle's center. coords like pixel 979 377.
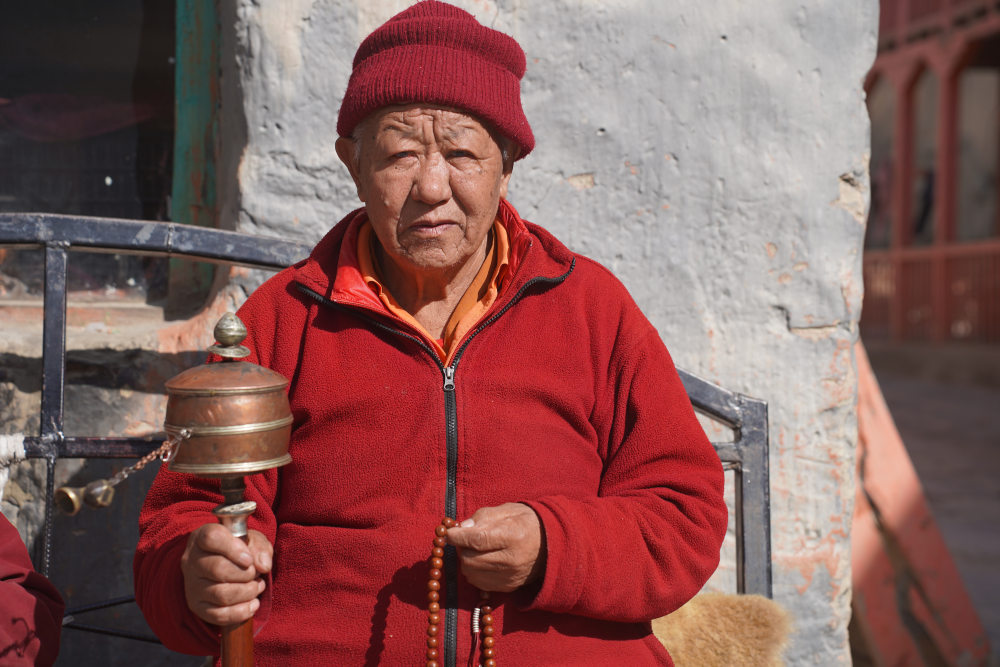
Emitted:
pixel 420 118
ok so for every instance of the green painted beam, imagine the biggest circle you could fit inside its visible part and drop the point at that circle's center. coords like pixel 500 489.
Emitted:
pixel 196 140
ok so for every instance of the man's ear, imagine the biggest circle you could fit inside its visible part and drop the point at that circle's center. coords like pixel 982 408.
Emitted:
pixel 346 153
pixel 512 155
pixel 508 169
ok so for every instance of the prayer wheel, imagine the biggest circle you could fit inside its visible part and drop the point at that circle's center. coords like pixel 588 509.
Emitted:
pixel 230 419
pixel 233 416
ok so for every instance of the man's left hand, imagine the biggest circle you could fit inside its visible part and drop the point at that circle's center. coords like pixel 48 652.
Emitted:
pixel 500 548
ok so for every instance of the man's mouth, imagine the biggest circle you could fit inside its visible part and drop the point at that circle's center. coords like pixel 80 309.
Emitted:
pixel 432 228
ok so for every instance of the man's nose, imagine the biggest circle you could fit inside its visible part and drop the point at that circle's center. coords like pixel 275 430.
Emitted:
pixel 432 182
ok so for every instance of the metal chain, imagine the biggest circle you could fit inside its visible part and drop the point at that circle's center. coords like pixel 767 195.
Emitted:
pixel 163 452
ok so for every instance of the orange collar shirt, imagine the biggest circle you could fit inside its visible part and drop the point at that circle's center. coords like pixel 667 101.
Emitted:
pixel 481 294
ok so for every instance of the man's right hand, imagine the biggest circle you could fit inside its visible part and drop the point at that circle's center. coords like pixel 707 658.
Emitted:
pixel 222 573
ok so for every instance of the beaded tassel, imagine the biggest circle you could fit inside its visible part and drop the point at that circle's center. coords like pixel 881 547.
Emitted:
pixel 487 655
pixel 482 619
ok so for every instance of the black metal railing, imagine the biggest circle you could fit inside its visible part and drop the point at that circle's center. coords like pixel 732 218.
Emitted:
pixel 746 456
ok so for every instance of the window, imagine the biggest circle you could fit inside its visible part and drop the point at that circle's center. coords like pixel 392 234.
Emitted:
pixel 86 128
pixel 979 143
pixel 882 110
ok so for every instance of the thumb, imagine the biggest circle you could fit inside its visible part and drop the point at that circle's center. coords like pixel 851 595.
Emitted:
pixel 484 523
pixel 470 537
pixel 459 535
pixel 481 537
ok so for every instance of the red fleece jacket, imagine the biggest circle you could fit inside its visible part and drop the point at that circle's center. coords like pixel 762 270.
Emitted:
pixel 563 398
pixel 31 609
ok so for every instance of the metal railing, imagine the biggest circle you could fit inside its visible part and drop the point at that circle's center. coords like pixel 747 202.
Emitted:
pixel 747 457
pixel 946 293
pixel 58 235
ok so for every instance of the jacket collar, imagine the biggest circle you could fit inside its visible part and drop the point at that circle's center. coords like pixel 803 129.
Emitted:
pixel 332 268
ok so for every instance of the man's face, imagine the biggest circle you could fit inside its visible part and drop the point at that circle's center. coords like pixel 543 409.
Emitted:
pixel 431 179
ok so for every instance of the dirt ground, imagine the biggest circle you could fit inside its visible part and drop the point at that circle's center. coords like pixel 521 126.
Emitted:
pixel 952 433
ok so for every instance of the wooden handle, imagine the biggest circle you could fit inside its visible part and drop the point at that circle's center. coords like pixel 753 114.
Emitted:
pixel 237 644
pixel 237 640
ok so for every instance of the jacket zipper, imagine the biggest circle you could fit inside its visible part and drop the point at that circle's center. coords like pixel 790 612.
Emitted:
pixel 451 439
pixel 451 509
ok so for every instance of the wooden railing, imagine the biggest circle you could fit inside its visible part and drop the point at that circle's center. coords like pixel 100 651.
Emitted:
pixel 903 20
pixel 933 293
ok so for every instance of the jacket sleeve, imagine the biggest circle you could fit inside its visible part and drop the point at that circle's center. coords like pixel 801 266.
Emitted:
pixel 31 622
pixel 175 506
pixel 650 539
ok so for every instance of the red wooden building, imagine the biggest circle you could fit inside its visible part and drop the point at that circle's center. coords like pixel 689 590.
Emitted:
pixel 932 251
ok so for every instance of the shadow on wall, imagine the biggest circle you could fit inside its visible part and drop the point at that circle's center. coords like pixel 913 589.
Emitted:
pixel 910 605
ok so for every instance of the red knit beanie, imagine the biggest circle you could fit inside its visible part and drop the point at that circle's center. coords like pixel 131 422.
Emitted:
pixel 439 54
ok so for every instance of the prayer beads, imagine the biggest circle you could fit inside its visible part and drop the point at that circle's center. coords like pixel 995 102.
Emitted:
pixel 482 616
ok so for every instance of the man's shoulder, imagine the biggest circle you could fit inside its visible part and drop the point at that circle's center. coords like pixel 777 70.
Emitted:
pixel 591 292
pixel 585 269
pixel 316 272
pixel 595 272
pixel 583 274
pixel 272 312
pixel 279 288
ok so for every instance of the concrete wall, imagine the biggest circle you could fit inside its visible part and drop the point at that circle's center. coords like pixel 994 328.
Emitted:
pixel 712 153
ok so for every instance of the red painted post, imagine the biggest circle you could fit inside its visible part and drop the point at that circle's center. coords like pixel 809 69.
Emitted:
pixel 944 199
pixel 902 19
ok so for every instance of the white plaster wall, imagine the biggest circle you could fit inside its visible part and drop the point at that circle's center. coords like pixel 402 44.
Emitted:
pixel 712 153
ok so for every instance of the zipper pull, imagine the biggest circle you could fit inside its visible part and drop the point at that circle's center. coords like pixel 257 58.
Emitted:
pixel 449 378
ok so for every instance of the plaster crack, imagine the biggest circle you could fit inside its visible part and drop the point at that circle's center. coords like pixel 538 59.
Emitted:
pixel 816 332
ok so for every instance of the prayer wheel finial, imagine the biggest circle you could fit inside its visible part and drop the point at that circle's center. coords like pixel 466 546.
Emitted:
pixel 230 332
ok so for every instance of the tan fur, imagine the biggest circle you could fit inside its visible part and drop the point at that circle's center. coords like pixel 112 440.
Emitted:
pixel 719 630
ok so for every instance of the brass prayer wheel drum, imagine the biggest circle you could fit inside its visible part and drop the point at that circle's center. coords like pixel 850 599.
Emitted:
pixel 232 418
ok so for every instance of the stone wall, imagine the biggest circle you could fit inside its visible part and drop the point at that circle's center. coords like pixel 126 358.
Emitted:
pixel 712 153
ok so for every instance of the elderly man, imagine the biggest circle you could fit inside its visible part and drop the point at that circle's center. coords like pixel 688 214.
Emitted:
pixel 447 359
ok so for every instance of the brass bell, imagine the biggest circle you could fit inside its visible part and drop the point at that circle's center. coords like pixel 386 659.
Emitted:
pixel 97 494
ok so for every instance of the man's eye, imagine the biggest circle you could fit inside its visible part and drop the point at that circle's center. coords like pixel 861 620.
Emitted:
pixel 459 154
pixel 402 154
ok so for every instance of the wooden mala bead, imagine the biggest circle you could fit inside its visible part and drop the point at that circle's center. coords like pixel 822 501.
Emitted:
pixel 434 616
pixel 482 615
